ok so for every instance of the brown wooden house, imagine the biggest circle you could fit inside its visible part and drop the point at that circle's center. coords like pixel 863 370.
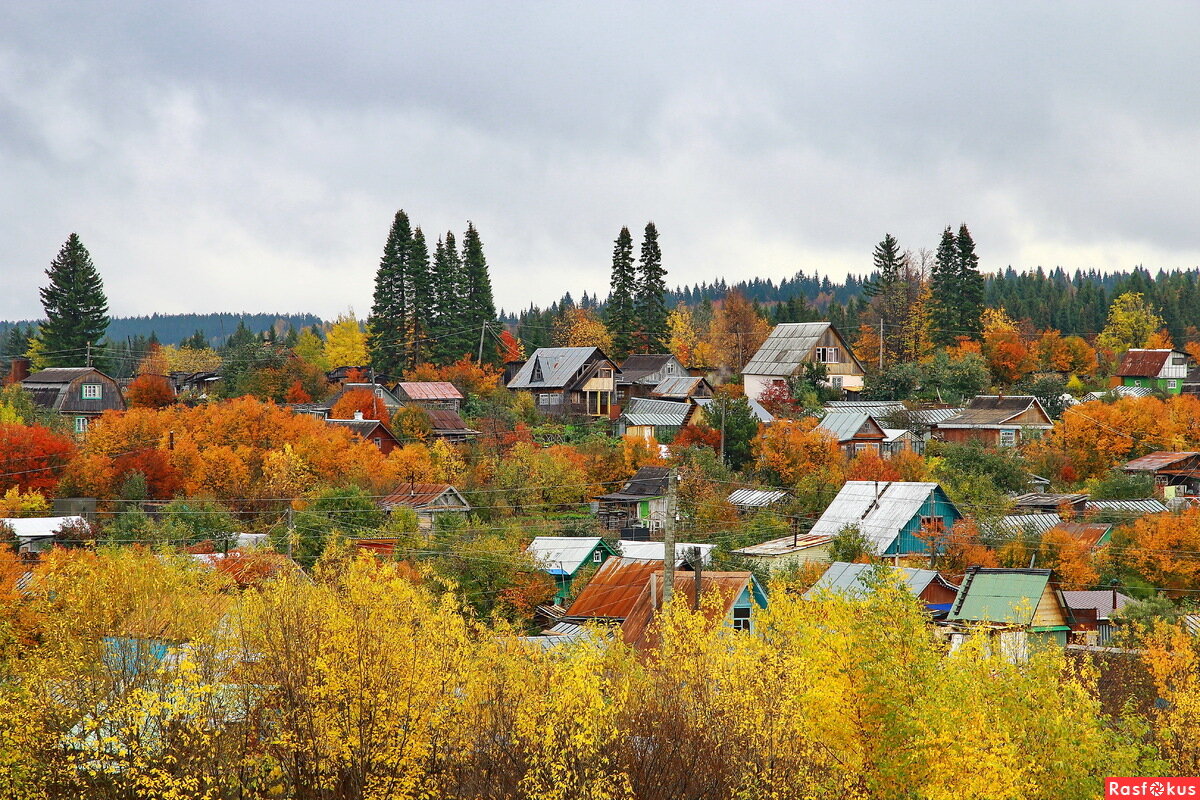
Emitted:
pixel 855 431
pixel 440 395
pixel 996 421
pixel 792 345
pixel 370 430
pixel 1170 469
pixel 569 380
pixel 80 393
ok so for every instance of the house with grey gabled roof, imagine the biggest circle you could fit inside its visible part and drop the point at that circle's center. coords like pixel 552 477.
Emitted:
pixel 895 517
pixel 792 345
pixel 78 393
pixel 569 380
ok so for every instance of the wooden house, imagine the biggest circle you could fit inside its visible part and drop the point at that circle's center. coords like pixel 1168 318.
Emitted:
pixel 428 500
pixel 1066 505
pixel 684 387
pixel 792 345
pixel 736 593
pixel 612 592
pixel 429 394
pixel 448 425
pixel 1093 614
pixel 892 515
pixel 1163 370
pixel 1020 608
pixel 641 373
pixel 856 580
pixel 640 502
pixel 996 421
pixel 1178 470
pixel 856 432
pixel 662 420
pixel 381 392
pixel 786 553
pixel 78 393
pixel 563 558
pixel 569 380
pixel 369 430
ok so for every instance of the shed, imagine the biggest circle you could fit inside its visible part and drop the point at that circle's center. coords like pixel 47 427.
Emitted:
pixel 1092 613
pixel 649 417
pixel 683 387
pixel 856 580
pixel 427 499
pixel 448 425
pixel 1050 503
pixel 755 499
pixel 1023 606
pixel 656 551
pixel 641 501
pixel 890 514
pixel 36 534
pixel 429 394
pixel 788 552
pixel 564 557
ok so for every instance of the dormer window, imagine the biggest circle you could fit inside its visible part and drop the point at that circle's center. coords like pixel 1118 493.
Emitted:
pixel 91 391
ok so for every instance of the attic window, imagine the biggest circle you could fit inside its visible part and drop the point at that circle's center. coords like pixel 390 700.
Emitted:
pixel 597 557
pixel 829 355
pixel 379 392
pixel 91 391
pixel 741 618
pixel 536 374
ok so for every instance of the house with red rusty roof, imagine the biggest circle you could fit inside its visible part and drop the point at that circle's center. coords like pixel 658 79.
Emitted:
pixel 429 394
pixel 1178 469
pixel 725 598
pixel 1164 370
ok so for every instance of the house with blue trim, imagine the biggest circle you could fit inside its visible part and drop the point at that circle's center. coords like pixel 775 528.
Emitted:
pixel 890 514
pixel 563 558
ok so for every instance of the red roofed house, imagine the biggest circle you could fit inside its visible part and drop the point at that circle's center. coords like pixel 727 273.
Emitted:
pixel 371 430
pixel 1180 470
pixel 427 499
pixel 1154 369
pixel 737 593
pixel 429 394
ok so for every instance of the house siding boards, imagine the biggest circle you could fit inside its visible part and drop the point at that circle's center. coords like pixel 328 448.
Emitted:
pixel 996 421
pixel 1164 370
pixel 790 346
pixel 569 380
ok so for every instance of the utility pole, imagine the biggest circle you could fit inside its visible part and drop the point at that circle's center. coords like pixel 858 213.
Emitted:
pixel 482 330
pixel 669 540
pixel 881 343
pixel 697 560
pixel 722 431
pixel 290 531
pixel 89 354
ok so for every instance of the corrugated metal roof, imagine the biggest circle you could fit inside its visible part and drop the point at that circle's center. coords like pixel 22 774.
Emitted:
pixel 649 411
pixel 425 496
pixel 1143 363
pixel 39 527
pixel 1102 601
pixel 614 589
pixel 558 366
pixel 756 498
pixel 999 595
pixel 783 547
pixel 58 375
pixel 640 365
pixel 756 408
pixel 656 551
pixel 677 386
pixel 878 509
pixel 932 416
pixel 854 580
pixel 446 421
pixel 1121 391
pixel 994 410
pixel 429 390
pixel 843 425
pixel 786 348
pixel 1089 534
pixel 1022 523
pixel 872 407
pixel 1148 506
pixel 566 553
pixel 1156 461
pixel 1047 499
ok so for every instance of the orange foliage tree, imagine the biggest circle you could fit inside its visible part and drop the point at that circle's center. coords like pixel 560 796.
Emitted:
pixel 1007 355
pixel 788 450
pixel 31 457
pixel 1164 550
pixel 1070 558
pixel 737 331
pixel 870 466
pixel 149 391
pixel 359 400
pixel 965 548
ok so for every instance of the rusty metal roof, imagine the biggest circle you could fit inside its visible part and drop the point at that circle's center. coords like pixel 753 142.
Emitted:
pixel 637 629
pixel 446 421
pixel 430 496
pixel 994 410
pixel 614 589
pixel 1143 363
pixel 428 390
pixel 1089 534
pixel 1156 461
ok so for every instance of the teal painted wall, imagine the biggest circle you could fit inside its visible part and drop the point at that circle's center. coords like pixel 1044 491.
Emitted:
pixel 938 506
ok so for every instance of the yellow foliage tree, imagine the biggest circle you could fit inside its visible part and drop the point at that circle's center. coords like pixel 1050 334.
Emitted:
pixel 346 342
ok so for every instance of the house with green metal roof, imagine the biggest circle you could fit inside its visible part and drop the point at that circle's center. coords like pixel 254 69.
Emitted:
pixel 1022 608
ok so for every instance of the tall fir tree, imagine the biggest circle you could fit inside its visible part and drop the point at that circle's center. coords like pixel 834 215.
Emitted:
pixel 478 306
pixel 419 281
pixel 447 341
pixel 388 326
pixel 651 301
pixel 943 310
pixel 889 291
pixel 620 315
pixel 75 305
pixel 970 285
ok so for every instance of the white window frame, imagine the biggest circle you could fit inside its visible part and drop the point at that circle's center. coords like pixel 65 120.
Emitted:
pixel 92 391
pixel 1008 437
pixel 740 618
pixel 835 381
pixel 829 355
pixel 81 424
pixel 597 557
pixel 1171 384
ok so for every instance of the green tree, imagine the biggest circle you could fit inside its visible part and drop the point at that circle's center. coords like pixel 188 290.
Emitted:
pixel 75 305
pixel 390 314
pixel 421 298
pixel 890 292
pixel 850 544
pixel 447 342
pixel 944 304
pixel 651 301
pixel 478 308
pixel 620 315
pixel 735 418
pixel 970 285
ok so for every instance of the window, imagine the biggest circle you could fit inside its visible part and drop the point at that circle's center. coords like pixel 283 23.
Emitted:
pixel 860 447
pixel 741 618
pixel 1008 437
pixel 829 355
pixel 378 441
pixel 91 391
pixel 1171 384
pixel 597 557
pixel 933 524
pixel 81 424
pixel 379 392
pixel 835 381
pixel 1178 361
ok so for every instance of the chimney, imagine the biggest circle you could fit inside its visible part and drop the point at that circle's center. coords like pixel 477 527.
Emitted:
pixel 18 370
pixel 358 415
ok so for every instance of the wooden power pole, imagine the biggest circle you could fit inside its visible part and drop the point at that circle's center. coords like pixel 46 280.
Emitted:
pixel 669 540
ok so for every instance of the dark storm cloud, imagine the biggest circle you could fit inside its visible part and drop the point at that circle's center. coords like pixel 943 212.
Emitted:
pixel 229 156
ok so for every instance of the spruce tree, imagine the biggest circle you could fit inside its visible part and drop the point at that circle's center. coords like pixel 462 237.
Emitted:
pixel 970 285
pixel 651 302
pixel 75 305
pixel 889 290
pixel 478 306
pixel 620 316
pixel 387 328
pixel 943 312
pixel 451 340
pixel 419 286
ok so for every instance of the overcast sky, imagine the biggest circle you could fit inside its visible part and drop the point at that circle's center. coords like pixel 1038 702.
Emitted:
pixel 235 156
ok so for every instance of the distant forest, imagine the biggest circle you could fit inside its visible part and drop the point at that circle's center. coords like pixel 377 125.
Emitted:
pixel 174 328
pixel 1071 302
